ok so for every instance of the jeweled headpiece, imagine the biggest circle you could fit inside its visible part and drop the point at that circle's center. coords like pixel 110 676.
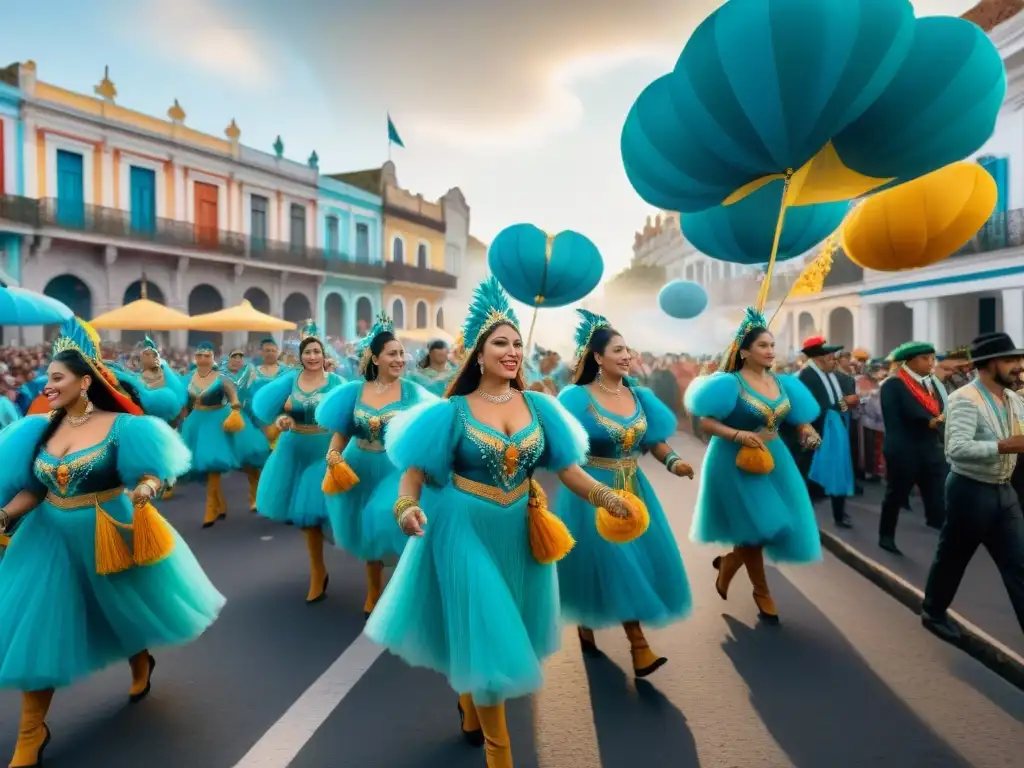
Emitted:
pixel 752 318
pixel 309 331
pixel 76 335
pixel 204 346
pixel 489 307
pixel 589 324
pixel 381 324
pixel 148 343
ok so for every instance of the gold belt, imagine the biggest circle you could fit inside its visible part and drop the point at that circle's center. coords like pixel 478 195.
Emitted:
pixel 85 499
pixel 373 446
pixel 612 465
pixel 490 492
pixel 308 429
pixel 201 407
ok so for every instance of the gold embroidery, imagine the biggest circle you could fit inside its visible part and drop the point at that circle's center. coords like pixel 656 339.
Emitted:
pixel 63 472
pixel 626 436
pixel 612 465
pixel 374 446
pixel 84 500
pixel 308 429
pixel 491 493
pixel 375 423
pixel 772 415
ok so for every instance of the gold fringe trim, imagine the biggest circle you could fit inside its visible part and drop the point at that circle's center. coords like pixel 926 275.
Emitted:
pixel 234 423
pixel 623 530
pixel 339 479
pixel 550 539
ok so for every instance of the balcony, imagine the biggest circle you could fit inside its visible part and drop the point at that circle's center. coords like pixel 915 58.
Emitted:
pixel 409 273
pixel 1002 230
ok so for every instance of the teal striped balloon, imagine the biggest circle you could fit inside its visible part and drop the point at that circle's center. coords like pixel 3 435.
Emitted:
pixel 517 257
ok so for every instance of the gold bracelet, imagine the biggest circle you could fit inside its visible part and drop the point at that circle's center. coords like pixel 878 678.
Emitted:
pixel 600 495
pixel 5 519
pixel 236 407
pixel 403 504
pixel 153 483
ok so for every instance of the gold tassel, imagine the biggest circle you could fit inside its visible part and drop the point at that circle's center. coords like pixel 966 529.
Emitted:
pixel 550 540
pixel 339 479
pixel 234 423
pixel 152 538
pixel 272 434
pixel 756 461
pixel 623 530
pixel 5 541
pixel 112 555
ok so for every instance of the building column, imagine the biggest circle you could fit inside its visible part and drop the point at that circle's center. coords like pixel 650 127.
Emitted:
pixel 866 329
pixel 922 328
pixel 1013 314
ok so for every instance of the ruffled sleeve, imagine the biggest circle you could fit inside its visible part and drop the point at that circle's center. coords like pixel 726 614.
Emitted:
pixel 148 446
pixel 661 422
pixel 416 393
pixel 712 397
pixel 565 441
pixel 8 412
pixel 803 408
pixel 269 401
pixel 423 438
pixel 19 443
pixel 335 411
pixel 575 400
pixel 175 382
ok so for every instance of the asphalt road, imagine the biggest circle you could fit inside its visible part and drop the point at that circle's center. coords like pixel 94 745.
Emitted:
pixel 849 678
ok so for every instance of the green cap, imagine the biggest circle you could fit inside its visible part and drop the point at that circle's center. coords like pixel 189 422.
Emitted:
pixel 909 350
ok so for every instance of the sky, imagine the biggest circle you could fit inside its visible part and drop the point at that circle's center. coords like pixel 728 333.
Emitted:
pixel 519 104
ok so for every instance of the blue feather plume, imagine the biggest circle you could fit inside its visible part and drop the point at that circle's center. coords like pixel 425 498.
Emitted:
pixel 489 307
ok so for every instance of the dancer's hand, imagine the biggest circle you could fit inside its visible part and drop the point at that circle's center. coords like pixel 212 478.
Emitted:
pixel 749 440
pixel 142 495
pixel 413 521
pixel 617 507
pixel 284 423
pixel 682 469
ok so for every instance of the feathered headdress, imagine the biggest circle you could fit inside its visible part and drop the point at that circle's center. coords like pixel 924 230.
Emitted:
pixel 589 323
pixel 752 318
pixel 381 324
pixel 489 308
pixel 76 335
pixel 309 331
pixel 148 343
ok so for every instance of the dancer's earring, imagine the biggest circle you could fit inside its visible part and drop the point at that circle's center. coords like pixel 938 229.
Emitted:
pixel 481 362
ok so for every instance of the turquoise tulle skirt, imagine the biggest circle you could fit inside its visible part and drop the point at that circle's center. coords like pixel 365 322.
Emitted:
pixel 469 600
pixel 162 402
pixel 363 519
pixel 832 465
pixel 213 449
pixel 735 507
pixel 603 584
pixel 251 446
pixel 60 621
pixel 290 484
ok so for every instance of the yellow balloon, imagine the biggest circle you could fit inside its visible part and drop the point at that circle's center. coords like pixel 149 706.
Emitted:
pixel 920 222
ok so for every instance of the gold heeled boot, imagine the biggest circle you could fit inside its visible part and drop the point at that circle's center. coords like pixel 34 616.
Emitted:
pixel 33 733
pixel 727 566
pixel 497 745
pixel 645 661
pixel 253 475
pixel 142 665
pixel 472 732
pixel 212 499
pixel 318 577
pixel 374 580
pixel 753 559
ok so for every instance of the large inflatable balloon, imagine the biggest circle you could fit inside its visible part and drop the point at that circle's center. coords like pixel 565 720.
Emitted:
pixel 542 270
pixel 682 299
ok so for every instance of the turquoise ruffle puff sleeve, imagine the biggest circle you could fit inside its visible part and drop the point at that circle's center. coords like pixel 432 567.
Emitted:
pixel 148 446
pixel 19 442
pixel 803 408
pixel 661 422
pixel 423 438
pixel 575 400
pixel 712 397
pixel 269 402
pixel 335 411
pixel 565 441
pixel 175 382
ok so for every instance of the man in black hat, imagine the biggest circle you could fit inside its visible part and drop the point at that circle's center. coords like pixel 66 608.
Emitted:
pixel 913 409
pixel 829 470
pixel 984 435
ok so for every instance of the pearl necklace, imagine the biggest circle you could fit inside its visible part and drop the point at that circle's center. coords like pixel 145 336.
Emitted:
pixel 497 399
pixel 382 387
pixel 77 421
pixel 616 392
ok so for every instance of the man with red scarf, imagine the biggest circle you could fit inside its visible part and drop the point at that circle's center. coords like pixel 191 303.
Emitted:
pixel 914 412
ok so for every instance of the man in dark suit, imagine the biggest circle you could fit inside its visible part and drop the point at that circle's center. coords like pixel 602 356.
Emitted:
pixel 913 409
pixel 819 376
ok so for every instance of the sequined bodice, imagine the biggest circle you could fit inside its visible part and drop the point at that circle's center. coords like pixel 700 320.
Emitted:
pixel 613 436
pixel 90 470
pixel 488 456
pixel 301 405
pixel 211 396
pixel 754 411
pixel 371 423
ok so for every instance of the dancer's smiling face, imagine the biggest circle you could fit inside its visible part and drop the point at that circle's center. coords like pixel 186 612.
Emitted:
pixel 616 359
pixel 502 353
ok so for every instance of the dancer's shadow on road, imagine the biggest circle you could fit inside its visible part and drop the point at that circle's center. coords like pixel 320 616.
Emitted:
pixel 636 724
pixel 820 700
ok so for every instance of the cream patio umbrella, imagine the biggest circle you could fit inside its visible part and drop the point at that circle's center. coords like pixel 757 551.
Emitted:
pixel 244 317
pixel 143 314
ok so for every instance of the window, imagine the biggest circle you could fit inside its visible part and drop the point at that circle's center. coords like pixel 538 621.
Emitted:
pixel 298 228
pixel 398 313
pixel 2 171
pixel 143 199
pixel 986 315
pixel 207 214
pixel 258 227
pixel 421 314
pixel 362 243
pixel 332 234
pixel 398 251
pixel 70 190
pixel 421 255
pixel 440 317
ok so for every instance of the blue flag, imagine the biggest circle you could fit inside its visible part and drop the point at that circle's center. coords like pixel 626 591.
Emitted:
pixel 393 136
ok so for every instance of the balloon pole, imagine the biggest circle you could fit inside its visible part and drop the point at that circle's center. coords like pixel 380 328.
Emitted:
pixel 539 298
pixel 762 295
pixel 529 336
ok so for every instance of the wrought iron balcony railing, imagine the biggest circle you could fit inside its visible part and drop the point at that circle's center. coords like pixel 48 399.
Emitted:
pixel 411 273
pixel 1002 230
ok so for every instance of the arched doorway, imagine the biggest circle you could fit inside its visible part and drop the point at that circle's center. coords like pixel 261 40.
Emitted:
pixel 297 309
pixel 261 303
pixel 202 300
pixel 73 293
pixel 804 327
pixel 897 326
pixel 133 293
pixel 334 316
pixel 421 314
pixel 440 317
pixel 364 316
pixel 840 328
pixel 398 313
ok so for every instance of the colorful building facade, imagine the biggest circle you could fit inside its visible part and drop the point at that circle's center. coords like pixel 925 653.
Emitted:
pixel 12 234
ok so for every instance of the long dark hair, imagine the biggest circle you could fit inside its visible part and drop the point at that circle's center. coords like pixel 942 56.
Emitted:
pixel 432 347
pixel 98 393
pixel 381 340
pixel 587 368
pixel 735 361
pixel 468 378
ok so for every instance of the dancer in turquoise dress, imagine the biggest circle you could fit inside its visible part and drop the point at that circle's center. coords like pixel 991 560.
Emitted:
pixel 290 485
pixel 93 574
pixel 604 584
pixel 435 370
pixel 474 595
pixel 358 414
pixel 751 495
pixel 262 374
pixel 8 412
pixel 213 420
pixel 251 445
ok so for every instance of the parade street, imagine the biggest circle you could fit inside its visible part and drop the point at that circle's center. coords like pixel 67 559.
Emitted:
pixel 849 678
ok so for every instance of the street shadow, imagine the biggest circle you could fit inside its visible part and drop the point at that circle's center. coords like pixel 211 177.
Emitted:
pixel 636 724
pixel 822 703
pixel 998 691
